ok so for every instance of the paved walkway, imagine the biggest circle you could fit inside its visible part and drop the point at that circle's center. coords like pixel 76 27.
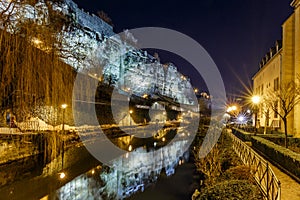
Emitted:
pixel 290 189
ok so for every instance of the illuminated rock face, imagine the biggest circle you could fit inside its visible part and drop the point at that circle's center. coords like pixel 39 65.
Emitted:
pixel 110 58
pixel 131 70
pixel 92 22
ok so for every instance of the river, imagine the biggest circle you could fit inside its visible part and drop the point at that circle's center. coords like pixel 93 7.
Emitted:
pixel 78 175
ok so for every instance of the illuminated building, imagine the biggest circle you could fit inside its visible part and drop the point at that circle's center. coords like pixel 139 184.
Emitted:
pixel 282 64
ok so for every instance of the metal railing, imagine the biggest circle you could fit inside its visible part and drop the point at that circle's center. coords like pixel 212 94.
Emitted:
pixel 262 172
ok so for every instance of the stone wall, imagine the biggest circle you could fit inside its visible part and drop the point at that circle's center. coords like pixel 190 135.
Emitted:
pixel 92 22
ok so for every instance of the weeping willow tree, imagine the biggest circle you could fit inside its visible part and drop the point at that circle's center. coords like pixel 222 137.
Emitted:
pixel 33 79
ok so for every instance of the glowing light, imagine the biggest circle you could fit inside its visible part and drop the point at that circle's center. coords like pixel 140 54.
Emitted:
pixel 36 41
pixel 130 111
pixel 231 108
pixel 62 175
pixel 256 99
pixel 64 106
pixel 163 139
pixel 130 148
pixel 93 171
pixel 248 111
pixel 241 118
pixel 196 90
pixel 154 144
pixel 145 96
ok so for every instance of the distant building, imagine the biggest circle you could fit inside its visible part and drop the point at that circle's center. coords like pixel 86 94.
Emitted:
pixel 281 64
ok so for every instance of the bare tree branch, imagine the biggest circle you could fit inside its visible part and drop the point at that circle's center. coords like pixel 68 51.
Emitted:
pixel 284 100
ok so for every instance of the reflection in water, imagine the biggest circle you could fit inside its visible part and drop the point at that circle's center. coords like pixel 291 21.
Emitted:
pixel 130 173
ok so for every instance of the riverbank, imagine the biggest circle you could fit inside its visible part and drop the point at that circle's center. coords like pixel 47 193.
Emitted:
pixel 33 179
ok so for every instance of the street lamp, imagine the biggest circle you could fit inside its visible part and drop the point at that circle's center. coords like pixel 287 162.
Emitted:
pixel 63 106
pixel 62 175
pixel 231 109
pixel 255 100
pixel 196 90
pixel 130 111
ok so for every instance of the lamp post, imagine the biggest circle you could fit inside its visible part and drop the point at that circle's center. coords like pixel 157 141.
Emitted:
pixel 130 112
pixel 63 106
pixel 255 100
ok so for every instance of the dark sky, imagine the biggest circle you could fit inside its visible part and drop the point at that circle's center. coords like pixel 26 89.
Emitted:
pixel 236 33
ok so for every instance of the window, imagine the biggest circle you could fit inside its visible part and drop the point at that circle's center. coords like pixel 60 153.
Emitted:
pixel 276 84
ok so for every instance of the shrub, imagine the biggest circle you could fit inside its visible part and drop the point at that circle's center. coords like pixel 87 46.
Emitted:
pixel 240 172
pixel 281 155
pixel 243 135
pixel 233 189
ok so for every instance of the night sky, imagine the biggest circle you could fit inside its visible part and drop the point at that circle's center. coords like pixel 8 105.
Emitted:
pixel 236 33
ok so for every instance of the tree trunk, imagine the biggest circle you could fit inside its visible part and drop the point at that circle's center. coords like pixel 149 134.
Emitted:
pixel 285 132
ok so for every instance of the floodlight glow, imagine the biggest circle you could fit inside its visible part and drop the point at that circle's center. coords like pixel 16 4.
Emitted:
pixel 241 118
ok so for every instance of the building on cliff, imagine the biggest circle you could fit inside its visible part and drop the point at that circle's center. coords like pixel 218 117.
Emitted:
pixel 90 46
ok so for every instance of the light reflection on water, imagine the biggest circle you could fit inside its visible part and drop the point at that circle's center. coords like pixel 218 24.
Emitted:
pixel 132 172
